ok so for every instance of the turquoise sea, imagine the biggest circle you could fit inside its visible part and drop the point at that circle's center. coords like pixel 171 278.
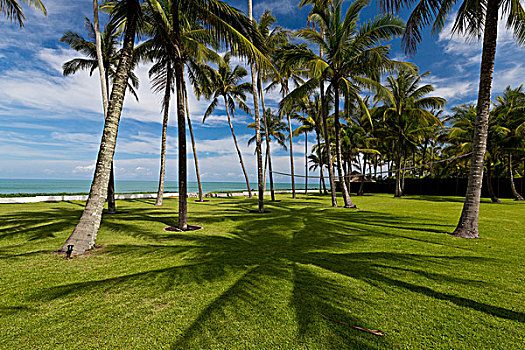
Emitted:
pixel 122 186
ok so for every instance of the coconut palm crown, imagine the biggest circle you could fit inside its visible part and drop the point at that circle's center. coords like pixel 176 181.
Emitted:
pixel 353 58
pixel 13 10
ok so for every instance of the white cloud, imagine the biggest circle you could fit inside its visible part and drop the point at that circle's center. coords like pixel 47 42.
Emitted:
pixel 282 7
pixel 84 169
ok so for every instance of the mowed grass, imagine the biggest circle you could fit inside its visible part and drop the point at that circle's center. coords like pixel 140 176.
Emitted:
pixel 249 281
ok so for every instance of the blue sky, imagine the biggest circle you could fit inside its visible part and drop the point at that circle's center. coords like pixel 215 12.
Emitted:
pixel 50 125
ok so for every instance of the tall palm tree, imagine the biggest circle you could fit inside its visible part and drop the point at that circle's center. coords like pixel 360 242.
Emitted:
pixel 476 19
pixel 311 20
pixel 112 209
pixel 286 75
pixel 230 27
pixel 100 59
pixel 85 233
pixel 406 113
pixel 308 125
pixel 161 75
pixel 258 144
pixel 99 48
pixel 13 10
pixel 163 79
pixel 353 58
pixel 272 129
pixel 510 109
pixel 459 139
pixel 274 37
pixel 226 83
pixel 315 111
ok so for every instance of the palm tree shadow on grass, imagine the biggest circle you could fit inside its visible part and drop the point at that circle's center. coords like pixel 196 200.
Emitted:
pixel 260 254
pixel 37 225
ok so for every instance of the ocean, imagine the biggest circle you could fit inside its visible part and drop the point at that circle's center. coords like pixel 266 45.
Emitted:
pixel 9 186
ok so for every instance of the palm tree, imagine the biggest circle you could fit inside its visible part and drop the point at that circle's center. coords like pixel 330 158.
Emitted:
pixel 226 83
pixel 285 76
pixel 112 208
pixel 308 125
pixel 476 19
pixel 315 112
pixel 273 38
pixel 100 59
pixel 109 56
pixel 164 81
pixel 258 143
pixel 161 75
pixel 459 137
pixel 358 140
pixel 317 162
pixel 13 10
pixel 84 235
pixel 311 20
pixel 406 114
pixel 353 58
pixel 510 109
pixel 273 128
pixel 229 26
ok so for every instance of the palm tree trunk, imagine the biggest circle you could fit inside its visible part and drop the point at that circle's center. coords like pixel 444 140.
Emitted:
pixel 324 112
pixel 362 184
pixel 306 163
pixel 342 182
pixel 403 175
pixel 291 155
pixel 468 222
pixel 320 157
pixel 492 195
pixel 181 123
pixel 181 133
pixel 238 149
pixel 193 146
pixel 105 96
pixel 84 235
pixel 265 168
pixel 166 105
pixel 344 166
pixel 258 140
pixel 375 166
pixel 272 190
pixel 100 58
pixel 398 192
pixel 267 137
pixel 112 208
pixel 517 196
pixel 423 157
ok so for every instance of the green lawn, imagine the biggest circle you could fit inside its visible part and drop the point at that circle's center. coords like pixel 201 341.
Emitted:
pixel 250 281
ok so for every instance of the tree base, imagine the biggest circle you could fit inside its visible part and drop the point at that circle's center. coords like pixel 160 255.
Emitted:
pixel 188 228
pixel 464 233
pixel 258 212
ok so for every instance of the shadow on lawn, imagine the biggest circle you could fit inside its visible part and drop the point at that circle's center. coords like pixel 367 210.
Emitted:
pixel 260 254
pixel 38 225
pixel 439 199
